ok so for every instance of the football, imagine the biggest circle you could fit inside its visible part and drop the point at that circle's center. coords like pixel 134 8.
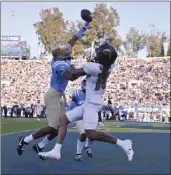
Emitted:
pixel 86 15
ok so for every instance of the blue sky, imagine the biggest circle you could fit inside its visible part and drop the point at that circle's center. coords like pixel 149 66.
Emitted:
pixel 132 14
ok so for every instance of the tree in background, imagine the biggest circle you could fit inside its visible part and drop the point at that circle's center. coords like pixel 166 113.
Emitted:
pixel 51 27
pixel 154 42
pixel 104 20
pixel 134 42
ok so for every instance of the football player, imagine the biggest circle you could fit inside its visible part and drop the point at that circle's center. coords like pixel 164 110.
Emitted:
pixel 97 75
pixel 55 108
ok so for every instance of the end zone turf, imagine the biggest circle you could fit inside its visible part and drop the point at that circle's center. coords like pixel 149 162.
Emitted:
pixel 151 156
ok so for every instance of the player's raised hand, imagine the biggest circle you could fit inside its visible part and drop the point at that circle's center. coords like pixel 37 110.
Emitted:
pixel 87 17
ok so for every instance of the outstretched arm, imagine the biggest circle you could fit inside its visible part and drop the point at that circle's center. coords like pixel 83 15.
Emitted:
pixel 79 34
pixel 74 74
pixel 73 40
pixel 87 69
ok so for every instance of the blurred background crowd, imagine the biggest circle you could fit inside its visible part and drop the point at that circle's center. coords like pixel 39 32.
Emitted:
pixel 134 85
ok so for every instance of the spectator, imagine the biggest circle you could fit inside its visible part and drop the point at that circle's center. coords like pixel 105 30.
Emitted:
pixel 133 81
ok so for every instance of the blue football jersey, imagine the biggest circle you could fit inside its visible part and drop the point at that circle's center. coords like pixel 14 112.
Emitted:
pixel 58 81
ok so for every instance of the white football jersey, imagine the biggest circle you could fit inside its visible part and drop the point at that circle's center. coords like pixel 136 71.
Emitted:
pixel 94 85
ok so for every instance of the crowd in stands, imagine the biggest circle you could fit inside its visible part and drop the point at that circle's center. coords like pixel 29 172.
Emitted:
pixel 132 81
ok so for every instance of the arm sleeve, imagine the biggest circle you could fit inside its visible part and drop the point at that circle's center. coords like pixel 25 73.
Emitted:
pixel 80 33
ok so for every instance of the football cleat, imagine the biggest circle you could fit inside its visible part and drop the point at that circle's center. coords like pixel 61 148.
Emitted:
pixel 21 144
pixel 78 157
pixel 51 154
pixel 37 149
pixel 127 147
pixel 89 152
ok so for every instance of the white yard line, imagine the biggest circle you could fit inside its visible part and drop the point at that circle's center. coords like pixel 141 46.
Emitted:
pixel 18 132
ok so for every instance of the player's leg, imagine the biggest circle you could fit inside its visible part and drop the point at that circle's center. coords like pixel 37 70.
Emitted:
pixel 89 142
pixel 52 103
pixel 40 146
pixel 38 134
pixel 81 140
pixel 71 116
pixel 90 118
pixel 46 140
pixel 88 147
pixel 54 111
pixel 51 136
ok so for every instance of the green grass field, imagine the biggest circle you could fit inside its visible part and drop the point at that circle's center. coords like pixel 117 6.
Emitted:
pixel 21 124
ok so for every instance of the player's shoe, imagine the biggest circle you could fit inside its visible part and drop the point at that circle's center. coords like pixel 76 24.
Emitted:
pixel 127 147
pixel 38 150
pixel 53 154
pixel 89 152
pixel 78 157
pixel 21 144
